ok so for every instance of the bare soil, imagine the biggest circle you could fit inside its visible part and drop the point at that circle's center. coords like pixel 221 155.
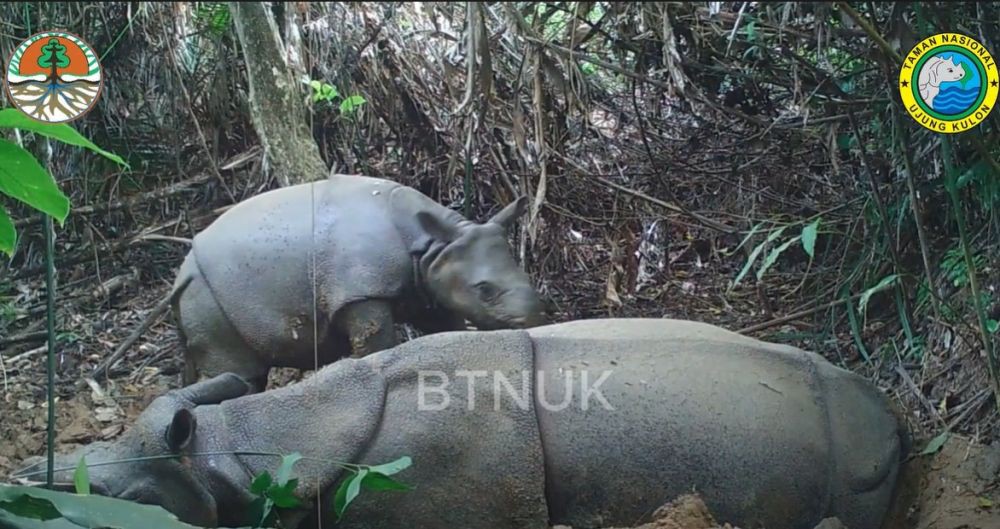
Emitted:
pixel 686 512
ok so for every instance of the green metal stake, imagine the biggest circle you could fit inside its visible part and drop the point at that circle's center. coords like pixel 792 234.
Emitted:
pixel 50 272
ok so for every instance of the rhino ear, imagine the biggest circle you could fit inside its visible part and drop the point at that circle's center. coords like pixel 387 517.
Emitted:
pixel 513 210
pixel 181 430
pixel 438 228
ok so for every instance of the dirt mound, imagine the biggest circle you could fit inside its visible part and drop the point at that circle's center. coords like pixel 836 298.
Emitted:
pixel 686 512
pixel 690 512
pixel 957 488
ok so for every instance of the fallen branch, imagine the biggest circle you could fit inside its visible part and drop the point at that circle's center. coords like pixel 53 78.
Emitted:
pixel 715 225
pixel 26 354
pixel 105 365
pixel 797 315
pixel 23 338
pixel 172 189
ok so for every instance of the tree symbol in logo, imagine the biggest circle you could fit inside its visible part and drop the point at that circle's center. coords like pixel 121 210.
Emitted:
pixel 54 78
pixel 55 56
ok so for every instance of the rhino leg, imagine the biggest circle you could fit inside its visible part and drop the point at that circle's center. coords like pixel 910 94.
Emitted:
pixel 369 325
pixel 212 345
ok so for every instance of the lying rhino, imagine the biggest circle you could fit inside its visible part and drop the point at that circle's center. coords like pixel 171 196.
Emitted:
pixel 591 423
pixel 246 298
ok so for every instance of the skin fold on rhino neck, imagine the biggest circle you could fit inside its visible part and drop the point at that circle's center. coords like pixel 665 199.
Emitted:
pixel 225 476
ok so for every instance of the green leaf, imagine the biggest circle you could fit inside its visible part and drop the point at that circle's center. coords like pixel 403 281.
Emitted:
pixel 261 483
pixel 392 467
pixel 284 496
pixel 348 491
pixel 30 507
pixel 8 235
pixel 773 256
pixel 97 511
pixel 856 329
pixel 260 509
pixel 10 520
pixel 936 443
pixel 882 285
pixel 379 481
pixel 22 178
pixel 285 470
pixel 348 105
pixel 992 326
pixel 985 502
pixel 753 230
pixel 81 478
pixel 756 252
pixel 809 238
pixel 13 118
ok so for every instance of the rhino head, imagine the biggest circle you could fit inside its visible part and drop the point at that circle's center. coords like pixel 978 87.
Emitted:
pixel 469 269
pixel 146 464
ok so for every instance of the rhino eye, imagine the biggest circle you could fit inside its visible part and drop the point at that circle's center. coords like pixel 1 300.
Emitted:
pixel 486 290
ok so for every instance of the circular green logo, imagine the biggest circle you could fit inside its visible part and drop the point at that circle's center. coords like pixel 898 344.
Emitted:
pixel 54 77
pixel 948 83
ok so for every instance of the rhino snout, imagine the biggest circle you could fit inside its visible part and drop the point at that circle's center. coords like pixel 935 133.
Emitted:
pixel 34 471
pixel 522 309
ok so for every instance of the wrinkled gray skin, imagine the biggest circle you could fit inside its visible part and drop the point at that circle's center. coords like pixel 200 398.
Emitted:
pixel 767 434
pixel 384 254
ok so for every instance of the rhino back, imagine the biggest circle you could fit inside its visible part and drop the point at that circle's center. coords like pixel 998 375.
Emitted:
pixel 692 407
pixel 257 258
pixel 477 462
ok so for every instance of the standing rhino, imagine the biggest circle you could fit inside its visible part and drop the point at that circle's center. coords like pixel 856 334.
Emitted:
pixel 590 423
pixel 246 298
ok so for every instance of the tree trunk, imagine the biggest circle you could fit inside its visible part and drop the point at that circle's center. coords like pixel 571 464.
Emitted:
pixel 278 113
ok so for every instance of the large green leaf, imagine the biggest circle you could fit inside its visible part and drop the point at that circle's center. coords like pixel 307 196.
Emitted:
pixel 8 235
pixel 96 511
pixel 23 178
pixel 12 521
pixel 13 118
pixel 30 507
